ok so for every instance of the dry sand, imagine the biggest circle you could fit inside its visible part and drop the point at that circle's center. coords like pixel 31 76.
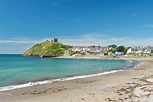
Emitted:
pixel 134 85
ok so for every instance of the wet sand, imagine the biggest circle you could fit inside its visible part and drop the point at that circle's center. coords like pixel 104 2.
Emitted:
pixel 124 86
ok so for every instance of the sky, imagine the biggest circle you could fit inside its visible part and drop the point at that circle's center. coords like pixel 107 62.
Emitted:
pixel 24 23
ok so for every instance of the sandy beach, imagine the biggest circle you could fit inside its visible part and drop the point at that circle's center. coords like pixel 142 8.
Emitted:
pixel 132 85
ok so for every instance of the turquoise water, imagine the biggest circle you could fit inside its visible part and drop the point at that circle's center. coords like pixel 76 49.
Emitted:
pixel 16 69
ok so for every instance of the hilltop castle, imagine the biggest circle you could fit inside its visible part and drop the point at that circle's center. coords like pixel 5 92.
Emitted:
pixel 53 40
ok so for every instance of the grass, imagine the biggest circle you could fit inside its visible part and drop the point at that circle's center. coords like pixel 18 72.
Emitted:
pixel 47 48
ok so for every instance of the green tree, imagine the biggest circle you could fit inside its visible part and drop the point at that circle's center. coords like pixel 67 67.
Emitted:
pixel 113 46
pixel 120 49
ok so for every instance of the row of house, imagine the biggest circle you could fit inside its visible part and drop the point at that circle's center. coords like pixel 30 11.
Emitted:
pixel 93 49
pixel 147 49
pixel 115 54
pixel 97 50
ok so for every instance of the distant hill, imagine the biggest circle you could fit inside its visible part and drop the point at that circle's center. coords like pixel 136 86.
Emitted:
pixel 47 49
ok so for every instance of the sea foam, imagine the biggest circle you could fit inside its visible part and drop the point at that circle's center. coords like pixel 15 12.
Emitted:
pixel 11 87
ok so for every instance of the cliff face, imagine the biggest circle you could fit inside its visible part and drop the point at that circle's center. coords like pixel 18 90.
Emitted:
pixel 46 48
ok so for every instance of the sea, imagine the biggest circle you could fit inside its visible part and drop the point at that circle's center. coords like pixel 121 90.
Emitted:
pixel 17 71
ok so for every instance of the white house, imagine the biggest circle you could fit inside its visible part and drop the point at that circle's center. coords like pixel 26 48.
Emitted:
pixel 135 50
pixel 76 48
pixel 119 53
pixel 111 54
pixel 129 51
pixel 148 49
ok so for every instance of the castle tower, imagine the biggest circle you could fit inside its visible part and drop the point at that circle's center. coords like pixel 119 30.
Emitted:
pixel 55 40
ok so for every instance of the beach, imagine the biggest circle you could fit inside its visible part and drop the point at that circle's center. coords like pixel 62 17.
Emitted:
pixel 129 85
pixel 76 51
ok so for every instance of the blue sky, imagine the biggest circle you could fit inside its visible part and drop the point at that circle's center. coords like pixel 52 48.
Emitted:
pixel 24 23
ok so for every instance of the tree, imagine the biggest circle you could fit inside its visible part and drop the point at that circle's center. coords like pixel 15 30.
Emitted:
pixel 113 46
pixel 125 50
pixel 120 49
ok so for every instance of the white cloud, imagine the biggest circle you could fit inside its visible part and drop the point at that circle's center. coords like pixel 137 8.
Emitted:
pixel 21 45
pixel 16 45
pixel 87 39
pixel 148 26
pixel 97 39
pixel 19 41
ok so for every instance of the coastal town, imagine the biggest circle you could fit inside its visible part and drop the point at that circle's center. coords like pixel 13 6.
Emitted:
pixel 110 50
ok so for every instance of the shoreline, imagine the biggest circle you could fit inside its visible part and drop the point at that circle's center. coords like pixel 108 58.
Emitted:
pixel 29 84
pixel 87 89
pixel 136 58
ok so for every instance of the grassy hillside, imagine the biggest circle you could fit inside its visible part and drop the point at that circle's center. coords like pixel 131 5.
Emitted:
pixel 47 48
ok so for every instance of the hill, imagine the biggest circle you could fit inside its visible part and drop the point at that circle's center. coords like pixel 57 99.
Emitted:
pixel 47 49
